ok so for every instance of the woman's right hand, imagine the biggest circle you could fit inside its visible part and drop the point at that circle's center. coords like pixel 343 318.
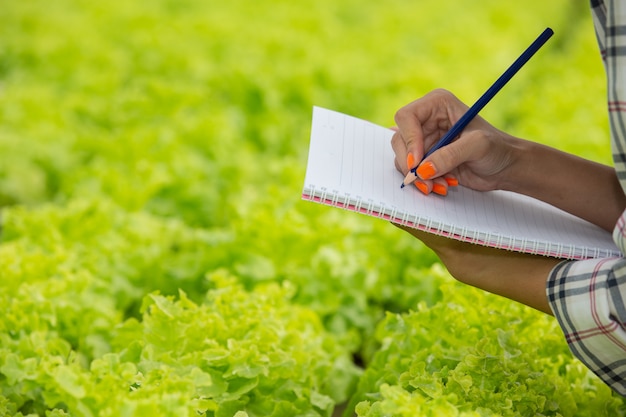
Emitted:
pixel 484 158
pixel 479 158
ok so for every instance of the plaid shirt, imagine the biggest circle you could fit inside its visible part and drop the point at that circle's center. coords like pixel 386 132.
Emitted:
pixel 588 297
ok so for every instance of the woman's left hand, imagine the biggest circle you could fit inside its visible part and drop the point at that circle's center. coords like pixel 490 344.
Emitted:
pixel 518 276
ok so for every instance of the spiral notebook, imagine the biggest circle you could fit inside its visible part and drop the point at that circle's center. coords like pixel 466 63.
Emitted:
pixel 351 166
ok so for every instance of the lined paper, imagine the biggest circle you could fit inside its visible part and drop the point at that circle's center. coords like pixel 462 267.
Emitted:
pixel 351 166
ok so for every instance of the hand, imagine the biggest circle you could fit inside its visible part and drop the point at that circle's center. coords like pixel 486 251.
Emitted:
pixel 517 276
pixel 484 158
pixel 478 158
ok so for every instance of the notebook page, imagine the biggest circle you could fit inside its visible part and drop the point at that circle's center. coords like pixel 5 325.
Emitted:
pixel 351 165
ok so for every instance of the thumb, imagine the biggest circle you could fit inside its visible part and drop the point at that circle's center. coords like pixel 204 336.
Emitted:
pixel 467 148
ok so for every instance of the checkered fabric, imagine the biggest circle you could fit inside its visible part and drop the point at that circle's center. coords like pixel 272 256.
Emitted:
pixel 587 297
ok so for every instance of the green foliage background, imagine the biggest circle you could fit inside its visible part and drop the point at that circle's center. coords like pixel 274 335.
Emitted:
pixel 156 259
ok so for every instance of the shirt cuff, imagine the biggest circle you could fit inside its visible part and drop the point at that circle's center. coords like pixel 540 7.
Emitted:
pixel 587 299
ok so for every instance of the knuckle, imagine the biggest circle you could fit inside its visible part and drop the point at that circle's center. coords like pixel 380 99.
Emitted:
pixel 401 115
pixel 398 141
pixel 442 93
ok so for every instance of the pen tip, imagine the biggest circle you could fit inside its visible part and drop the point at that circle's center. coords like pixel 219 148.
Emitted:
pixel 402 186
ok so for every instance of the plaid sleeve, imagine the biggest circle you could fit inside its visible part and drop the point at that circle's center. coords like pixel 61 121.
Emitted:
pixel 587 298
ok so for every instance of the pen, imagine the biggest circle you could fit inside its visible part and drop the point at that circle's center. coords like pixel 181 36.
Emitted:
pixel 483 100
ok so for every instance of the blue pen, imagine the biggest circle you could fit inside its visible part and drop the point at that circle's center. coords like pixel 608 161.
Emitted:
pixel 484 99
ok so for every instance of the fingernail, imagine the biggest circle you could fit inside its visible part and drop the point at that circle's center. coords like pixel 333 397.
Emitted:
pixel 422 187
pixel 452 182
pixel 426 170
pixel 410 161
pixel 440 189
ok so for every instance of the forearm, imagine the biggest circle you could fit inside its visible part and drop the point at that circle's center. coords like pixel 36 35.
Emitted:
pixel 581 187
pixel 517 276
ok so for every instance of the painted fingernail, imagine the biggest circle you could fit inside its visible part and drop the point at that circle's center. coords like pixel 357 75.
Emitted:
pixel 410 161
pixel 426 170
pixel 452 182
pixel 440 189
pixel 422 187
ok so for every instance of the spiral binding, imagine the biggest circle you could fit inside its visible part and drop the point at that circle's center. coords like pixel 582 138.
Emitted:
pixel 496 240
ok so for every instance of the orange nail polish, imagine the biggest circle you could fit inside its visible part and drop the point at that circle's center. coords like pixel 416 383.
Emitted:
pixel 422 187
pixel 410 161
pixel 440 189
pixel 452 182
pixel 426 170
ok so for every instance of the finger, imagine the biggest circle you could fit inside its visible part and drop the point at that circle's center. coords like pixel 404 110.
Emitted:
pixel 411 133
pixel 399 149
pixel 398 167
pixel 426 187
pixel 427 171
pixel 469 147
pixel 451 180
pixel 440 186
pixel 423 121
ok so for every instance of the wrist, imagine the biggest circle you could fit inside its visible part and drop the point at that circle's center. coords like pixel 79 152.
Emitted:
pixel 569 182
pixel 519 171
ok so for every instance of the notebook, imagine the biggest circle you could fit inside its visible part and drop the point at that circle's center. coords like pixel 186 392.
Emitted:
pixel 351 166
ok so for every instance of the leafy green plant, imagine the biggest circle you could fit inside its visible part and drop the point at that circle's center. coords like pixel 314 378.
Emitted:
pixel 499 360
pixel 255 353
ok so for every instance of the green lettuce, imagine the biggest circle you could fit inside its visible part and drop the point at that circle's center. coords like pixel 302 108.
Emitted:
pixel 146 145
pixel 500 360
pixel 236 351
